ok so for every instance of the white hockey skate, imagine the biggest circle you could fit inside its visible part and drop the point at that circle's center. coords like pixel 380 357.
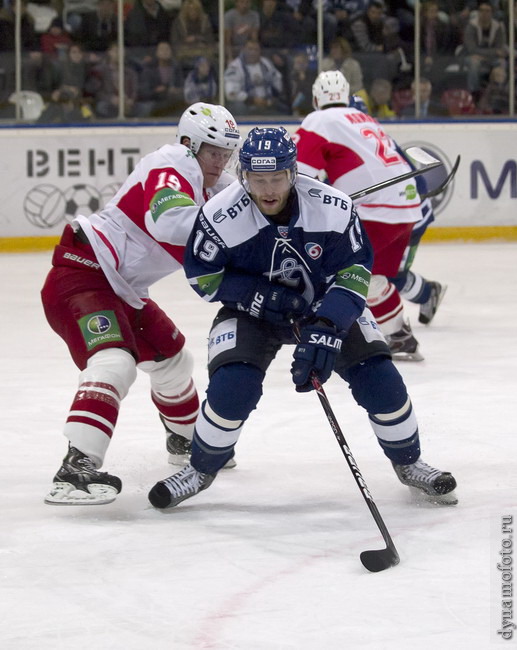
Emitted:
pixel 79 483
pixel 180 486
pixel 437 486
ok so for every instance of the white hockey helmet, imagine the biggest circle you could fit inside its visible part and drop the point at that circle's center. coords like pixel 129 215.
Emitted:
pixel 208 123
pixel 330 88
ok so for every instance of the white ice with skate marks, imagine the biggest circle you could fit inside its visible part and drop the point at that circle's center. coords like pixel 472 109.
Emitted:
pixel 268 557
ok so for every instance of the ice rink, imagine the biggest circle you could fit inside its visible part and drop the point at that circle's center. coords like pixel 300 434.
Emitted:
pixel 268 557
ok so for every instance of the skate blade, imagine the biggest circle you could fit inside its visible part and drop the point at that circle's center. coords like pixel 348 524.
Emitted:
pixel 181 460
pixel 65 494
pixel 407 356
pixel 449 499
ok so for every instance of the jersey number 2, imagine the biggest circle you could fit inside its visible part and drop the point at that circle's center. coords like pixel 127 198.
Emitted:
pixel 383 146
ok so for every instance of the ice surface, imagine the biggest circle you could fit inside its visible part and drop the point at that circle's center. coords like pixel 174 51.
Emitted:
pixel 268 557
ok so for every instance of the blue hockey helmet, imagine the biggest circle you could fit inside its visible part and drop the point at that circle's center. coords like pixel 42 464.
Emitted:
pixel 268 149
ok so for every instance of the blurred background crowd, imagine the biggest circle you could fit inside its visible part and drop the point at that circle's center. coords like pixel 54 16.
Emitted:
pixel 65 61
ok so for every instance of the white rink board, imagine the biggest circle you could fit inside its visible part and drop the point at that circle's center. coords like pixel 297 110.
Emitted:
pixel 49 175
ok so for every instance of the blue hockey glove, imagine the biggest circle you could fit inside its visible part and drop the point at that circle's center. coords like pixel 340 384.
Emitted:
pixel 275 303
pixel 316 352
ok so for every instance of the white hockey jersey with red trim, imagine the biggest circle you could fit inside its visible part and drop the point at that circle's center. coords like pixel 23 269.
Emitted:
pixel 355 152
pixel 139 237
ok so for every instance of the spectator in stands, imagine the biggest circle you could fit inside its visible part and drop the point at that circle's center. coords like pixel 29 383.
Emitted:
pixel 201 83
pixel 104 86
pixel 485 47
pixel 341 58
pixel 376 38
pixel 379 100
pixel 40 74
pixel 276 29
pixel 439 39
pixel 302 78
pixel 429 107
pixel 98 28
pixel 457 12
pixel 192 34
pixel 161 85
pixel 304 18
pixel 369 31
pixel 495 99
pixel 305 13
pixel 66 108
pixel 253 86
pixel 147 24
pixel 276 36
pixel 240 25
pixel 29 37
pixel 69 103
pixel 55 41
pixel 74 72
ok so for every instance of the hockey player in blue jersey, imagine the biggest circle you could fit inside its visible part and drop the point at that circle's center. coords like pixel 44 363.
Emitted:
pixel 276 247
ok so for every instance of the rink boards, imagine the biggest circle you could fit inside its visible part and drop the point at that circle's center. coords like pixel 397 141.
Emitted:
pixel 49 175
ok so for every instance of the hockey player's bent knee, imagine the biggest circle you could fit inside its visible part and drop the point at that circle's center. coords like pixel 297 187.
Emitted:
pixel 170 376
pixel 377 385
pixel 113 366
pixel 235 390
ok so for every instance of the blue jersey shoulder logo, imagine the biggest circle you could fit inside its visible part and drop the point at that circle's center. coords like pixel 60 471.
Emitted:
pixel 313 250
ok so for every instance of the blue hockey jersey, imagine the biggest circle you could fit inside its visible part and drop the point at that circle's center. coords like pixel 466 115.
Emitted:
pixel 322 252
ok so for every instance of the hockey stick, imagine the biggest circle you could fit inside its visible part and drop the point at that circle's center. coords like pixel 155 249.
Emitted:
pixel 375 560
pixel 415 153
pixel 443 186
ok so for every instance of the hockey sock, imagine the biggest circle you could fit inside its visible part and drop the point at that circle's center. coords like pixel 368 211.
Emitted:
pixel 378 387
pixel 103 384
pixel 402 452
pixel 233 392
pixel 413 287
pixel 179 412
pixel 214 440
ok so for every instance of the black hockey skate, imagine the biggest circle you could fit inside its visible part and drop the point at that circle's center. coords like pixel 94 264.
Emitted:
pixel 180 448
pixel 78 482
pixel 436 485
pixel 178 487
pixel 428 309
pixel 403 345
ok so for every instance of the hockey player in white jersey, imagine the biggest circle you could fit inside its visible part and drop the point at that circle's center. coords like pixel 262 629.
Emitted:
pixel 96 298
pixel 355 152
pixel 273 248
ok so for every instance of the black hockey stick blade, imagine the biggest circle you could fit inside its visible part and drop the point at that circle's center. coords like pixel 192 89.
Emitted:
pixel 384 558
pixel 443 186
pixel 380 560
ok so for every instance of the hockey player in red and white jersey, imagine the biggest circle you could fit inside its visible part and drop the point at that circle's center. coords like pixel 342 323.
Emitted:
pixel 355 152
pixel 96 298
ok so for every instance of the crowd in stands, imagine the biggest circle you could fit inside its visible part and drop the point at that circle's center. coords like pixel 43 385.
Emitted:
pixel 71 56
